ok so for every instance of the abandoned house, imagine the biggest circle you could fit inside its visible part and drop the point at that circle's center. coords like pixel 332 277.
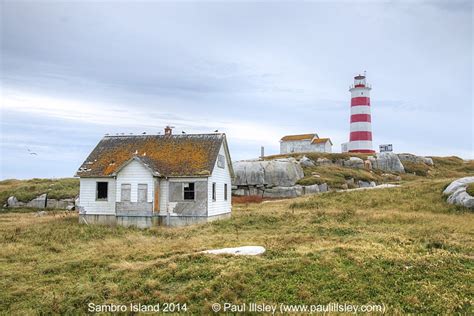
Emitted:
pixel 145 180
pixel 305 143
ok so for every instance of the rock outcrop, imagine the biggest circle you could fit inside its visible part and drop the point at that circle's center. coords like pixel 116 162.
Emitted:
pixel 13 202
pixel 272 178
pixel 42 201
pixel 38 202
pixel 354 162
pixel 387 161
pixel 305 162
pixel 416 159
pixel 458 194
pixel 272 173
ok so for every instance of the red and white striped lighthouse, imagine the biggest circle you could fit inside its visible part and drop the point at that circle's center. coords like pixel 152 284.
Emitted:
pixel 360 139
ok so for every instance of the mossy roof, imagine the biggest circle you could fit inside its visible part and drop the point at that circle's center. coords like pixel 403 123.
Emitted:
pixel 165 155
pixel 298 137
pixel 321 140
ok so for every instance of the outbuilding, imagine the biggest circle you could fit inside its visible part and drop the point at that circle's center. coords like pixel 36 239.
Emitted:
pixel 305 143
pixel 146 180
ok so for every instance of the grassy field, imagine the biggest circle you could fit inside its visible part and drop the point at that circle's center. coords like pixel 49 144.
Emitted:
pixel 26 190
pixel 402 247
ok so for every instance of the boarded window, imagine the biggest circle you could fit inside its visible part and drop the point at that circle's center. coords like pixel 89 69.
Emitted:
pixel 221 161
pixel 126 192
pixel 213 191
pixel 142 193
pixel 102 191
pixel 188 191
pixel 225 191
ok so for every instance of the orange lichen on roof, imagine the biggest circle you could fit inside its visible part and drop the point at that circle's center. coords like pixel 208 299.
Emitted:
pixel 321 140
pixel 177 155
pixel 298 137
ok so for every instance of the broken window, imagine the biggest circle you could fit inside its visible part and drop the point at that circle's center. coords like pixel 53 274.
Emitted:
pixel 102 191
pixel 126 192
pixel 225 191
pixel 142 193
pixel 213 191
pixel 188 191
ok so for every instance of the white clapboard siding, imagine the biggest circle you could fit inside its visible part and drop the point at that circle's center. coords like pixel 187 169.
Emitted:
pixel 87 196
pixel 220 176
pixel 135 173
pixel 328 147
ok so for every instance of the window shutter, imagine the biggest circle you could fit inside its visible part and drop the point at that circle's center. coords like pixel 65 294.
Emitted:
pixel 142 193
pixel 126 192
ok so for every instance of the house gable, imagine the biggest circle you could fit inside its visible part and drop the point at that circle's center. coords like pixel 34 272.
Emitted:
pixel 135 173
pixel 220 185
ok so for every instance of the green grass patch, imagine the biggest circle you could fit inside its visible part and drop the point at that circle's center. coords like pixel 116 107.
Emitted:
pixel 26 190
pixel 416 168
pixel 470 189
pixel 335 176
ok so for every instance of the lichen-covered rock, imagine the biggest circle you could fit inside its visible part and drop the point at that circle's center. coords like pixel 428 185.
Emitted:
pixel 311 189
pixel 323 162
pixel 323 187
pixel 363 184
pixel 458 194
pixel 240 192
pixel 416 159
pixel 278 173
pixel 254 191
pixel 456 184
pixel 428 161
pixel 38 202
pixel 13 202
pixel 305 162
pixel 60 204
pixel 354 162
pixel 281 192
pixel 387 161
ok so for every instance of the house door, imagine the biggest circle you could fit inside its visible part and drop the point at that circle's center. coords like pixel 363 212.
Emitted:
pixel 156 205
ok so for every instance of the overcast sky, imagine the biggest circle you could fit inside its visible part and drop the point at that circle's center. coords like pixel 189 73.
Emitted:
pixel 71 72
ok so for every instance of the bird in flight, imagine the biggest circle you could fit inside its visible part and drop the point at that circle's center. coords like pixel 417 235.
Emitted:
pixel 31 152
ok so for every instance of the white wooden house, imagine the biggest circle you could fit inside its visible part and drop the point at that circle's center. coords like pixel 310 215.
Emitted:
pixel 145 180
pixel 304 143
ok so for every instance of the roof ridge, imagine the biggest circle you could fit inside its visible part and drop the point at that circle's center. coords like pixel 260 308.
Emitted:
pixel 162 135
